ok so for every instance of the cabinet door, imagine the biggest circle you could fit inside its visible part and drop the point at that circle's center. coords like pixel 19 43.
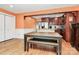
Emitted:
pixel 9 27
pixel 1 27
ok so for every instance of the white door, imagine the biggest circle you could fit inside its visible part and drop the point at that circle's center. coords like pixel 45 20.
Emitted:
pixel 1 27
pixel 9 27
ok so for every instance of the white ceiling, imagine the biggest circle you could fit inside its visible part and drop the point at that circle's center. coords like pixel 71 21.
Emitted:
pixel 21 8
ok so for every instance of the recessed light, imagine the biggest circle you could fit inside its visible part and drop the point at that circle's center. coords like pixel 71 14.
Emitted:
pixel 11 6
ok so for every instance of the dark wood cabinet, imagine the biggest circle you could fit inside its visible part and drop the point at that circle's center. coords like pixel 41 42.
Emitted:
pixel 75 36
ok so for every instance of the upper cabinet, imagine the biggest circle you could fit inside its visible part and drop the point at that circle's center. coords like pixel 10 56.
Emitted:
pixel 50 23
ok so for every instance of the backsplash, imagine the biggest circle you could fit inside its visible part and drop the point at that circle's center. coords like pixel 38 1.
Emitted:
pixel 44 26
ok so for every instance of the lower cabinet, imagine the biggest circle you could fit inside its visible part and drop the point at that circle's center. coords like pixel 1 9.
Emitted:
pixel 75 36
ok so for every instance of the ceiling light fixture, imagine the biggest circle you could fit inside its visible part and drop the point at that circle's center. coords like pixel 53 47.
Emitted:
pixel 11 6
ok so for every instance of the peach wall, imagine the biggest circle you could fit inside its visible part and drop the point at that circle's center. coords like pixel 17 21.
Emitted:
pixel 20 17
pixel 19 21
pixel 29 22
pixel 7 12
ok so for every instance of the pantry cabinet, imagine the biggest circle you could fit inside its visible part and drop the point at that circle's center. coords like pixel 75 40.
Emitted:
pixel 1 27
pixel 7 27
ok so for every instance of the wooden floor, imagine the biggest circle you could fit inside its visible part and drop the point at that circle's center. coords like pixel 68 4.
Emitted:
pixel 15 47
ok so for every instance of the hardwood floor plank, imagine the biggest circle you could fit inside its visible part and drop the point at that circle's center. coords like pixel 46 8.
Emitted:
pixel 16 47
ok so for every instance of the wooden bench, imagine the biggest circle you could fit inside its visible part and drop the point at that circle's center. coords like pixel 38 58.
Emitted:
pixel 43 42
